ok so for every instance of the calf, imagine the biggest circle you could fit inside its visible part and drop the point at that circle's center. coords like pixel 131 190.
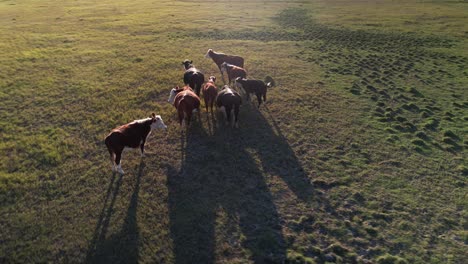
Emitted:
pixel 233 71
pixel 132 135
pixel 229 99
pixel 219 58
pixel 209 93
pixel 257 87
pixel 185 101
pixel 193 77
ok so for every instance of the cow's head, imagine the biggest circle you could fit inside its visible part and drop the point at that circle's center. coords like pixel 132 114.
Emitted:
pixel 157 122
pixel 172 94
pixel 238 82
pixel 187 64
pixel 223 67
pixel 208 54
pixel 212 79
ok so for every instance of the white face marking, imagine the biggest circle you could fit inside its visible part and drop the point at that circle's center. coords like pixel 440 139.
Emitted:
pixel 171 96
pixel 159 123
pixel 207 55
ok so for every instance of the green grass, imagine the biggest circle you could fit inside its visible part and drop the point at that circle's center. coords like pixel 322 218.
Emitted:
pixel 358 156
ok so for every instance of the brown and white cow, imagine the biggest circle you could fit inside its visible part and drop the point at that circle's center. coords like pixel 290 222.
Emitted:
pixel 257 87
pixel 131 135
pixel 233 71
pixel 193 77
pixel 219 58
pixel 209 93
pixel 228 99
pixel 185 101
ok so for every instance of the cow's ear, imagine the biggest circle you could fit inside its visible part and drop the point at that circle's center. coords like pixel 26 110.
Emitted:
pixel 191 62
pixel 153 115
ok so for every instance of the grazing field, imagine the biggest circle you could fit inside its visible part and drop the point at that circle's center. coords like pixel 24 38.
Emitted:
pixel 358 156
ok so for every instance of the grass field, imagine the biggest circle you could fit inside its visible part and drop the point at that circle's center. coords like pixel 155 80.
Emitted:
pixel 358 156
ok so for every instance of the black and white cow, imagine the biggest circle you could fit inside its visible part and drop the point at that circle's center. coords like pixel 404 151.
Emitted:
pixel 227 100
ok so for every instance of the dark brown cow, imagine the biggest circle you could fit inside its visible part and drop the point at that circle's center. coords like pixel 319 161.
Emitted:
pixel 185 101
pixel 233 71
pixel 219 58
pixel 257 87
pixel 132 135
pixel 229 99
pixel 193 77
pixel 209 93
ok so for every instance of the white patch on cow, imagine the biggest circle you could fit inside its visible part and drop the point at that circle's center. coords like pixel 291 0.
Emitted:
pixel 142 120
pixel 172 95
pixel 207 55
pixel 126 149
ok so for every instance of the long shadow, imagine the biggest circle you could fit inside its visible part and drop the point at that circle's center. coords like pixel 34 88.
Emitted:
pixel 225 174
pixel 121 247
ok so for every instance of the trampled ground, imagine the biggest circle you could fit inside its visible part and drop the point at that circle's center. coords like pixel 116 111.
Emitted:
pixel 358 156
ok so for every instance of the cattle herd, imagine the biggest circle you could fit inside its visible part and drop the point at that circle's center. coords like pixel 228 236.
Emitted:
pixel 187 101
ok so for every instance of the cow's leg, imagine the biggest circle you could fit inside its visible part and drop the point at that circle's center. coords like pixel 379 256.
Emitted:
pixel 222 108
pixel 222 73
pixel 228 114
pixel 118 157
pixel 207 101
pixel 180 112
pixel 236 115
pixel 259 99
pixel 198 89
pixel 111 153
pixel 189 117
pixel 264 96
pixel 142 148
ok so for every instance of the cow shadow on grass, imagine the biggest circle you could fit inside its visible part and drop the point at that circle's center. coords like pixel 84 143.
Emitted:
pixel 121 247
pixel 219 201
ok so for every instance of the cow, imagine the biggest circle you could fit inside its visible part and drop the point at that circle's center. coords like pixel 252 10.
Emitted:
pixel 257 87
pixel 209 93
pixel 193 77
pixel 185 101
pixel 233 71
pixel 227 100
pixel 219 58
pixel 131 135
